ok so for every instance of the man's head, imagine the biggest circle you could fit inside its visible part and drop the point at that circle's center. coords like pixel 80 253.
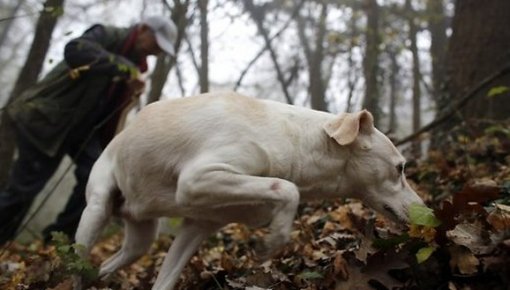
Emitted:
pixel 156 34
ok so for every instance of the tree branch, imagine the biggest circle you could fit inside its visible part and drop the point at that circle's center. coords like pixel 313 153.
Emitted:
pixel 257 15
pixel 263 50
pixel 457 105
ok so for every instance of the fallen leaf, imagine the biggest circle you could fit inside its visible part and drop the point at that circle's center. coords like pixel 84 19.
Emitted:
pixel 478 191
pixel 256 288
pixel 310 275
pixel 340 267
pixel 426 233
pixel 499 218
pixel 471 236
pixel 64 285
pixel 463 260
pixel 424 253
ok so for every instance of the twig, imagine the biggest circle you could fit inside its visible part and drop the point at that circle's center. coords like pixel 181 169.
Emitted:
pixel 215 280
pixel 457 105
pixel 19 16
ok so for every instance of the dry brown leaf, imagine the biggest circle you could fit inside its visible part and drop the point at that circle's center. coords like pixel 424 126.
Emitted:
pixel 365 249
pixel 64 285
pixel 330 227
pixel 499 218
pixel 471 236
pixel 341 217
pixel 422 232
pixel 463 260
pixel 340 267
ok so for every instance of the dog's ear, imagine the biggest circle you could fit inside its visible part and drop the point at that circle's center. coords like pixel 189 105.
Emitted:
pixel 348 126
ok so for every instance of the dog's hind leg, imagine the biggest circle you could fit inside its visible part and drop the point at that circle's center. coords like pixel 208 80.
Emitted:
pixel 138 238
pixel 190 235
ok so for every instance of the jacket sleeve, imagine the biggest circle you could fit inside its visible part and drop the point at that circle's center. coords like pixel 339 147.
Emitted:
pixel 89 49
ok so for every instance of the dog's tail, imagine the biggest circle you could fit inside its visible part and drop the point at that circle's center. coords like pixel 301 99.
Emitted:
pixel 101 190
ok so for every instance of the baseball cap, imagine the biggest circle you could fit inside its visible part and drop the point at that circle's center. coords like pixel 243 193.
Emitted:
pixel 165 31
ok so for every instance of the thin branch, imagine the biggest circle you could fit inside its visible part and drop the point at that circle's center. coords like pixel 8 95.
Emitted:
pixel 263 50
pixel 257 14
pixel 192 54
pixel 167 5
pixel 457 105
pixel 178 72
pixel 19 16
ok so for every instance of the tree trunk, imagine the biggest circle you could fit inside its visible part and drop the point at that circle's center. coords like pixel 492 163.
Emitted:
pixel 352 74
pixel 394 89
pixel 317 90
pixel 27 77
pixel 204 47
pixel 479 46
pixel 314 58
pixel 371 60
pixel 165 63
pixel 437 26
pixel 40 45
pixel 413 30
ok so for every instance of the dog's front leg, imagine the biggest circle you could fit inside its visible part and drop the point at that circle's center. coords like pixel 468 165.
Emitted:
pixel 219 186
pixel 190 235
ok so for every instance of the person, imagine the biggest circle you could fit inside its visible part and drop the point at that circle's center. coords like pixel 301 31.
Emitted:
pixel 74 110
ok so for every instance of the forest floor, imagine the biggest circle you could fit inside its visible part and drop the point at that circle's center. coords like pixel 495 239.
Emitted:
pixel 335 244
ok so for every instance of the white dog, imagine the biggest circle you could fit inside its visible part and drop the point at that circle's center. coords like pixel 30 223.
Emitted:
pixel 215 159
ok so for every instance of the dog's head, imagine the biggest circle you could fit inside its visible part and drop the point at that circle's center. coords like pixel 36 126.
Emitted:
pixel 374 168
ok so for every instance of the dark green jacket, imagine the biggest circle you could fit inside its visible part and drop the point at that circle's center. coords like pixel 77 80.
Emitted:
pixel 46 113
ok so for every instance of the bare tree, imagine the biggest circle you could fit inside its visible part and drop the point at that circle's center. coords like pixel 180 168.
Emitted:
pixel 257 13
pixel 265 48
pixel 204 47
pixel 44 28
pixel 437 25
pixel 394 87
pixel 413 30
pixel 371 60
pixel 352 77
pixel 315 57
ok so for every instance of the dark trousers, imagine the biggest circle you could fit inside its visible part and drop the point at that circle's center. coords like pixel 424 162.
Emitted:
pixel 29 175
